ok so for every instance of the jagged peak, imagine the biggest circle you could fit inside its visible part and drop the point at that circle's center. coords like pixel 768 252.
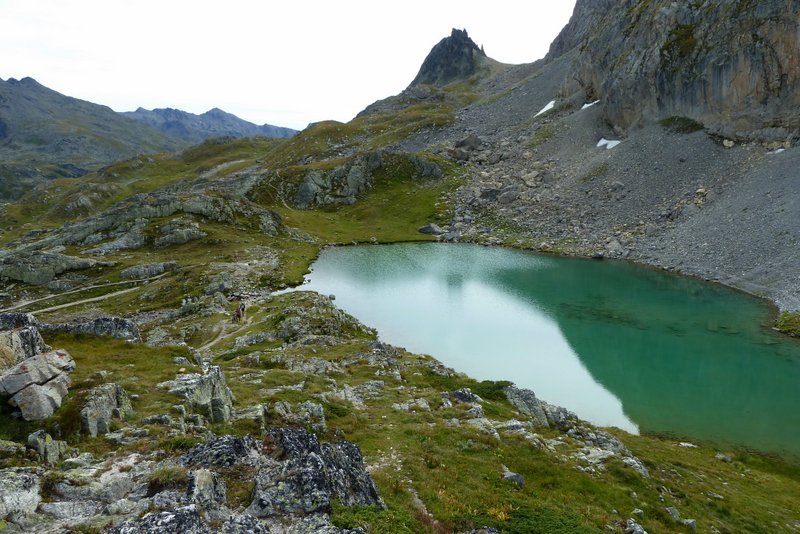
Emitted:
pixel 452 58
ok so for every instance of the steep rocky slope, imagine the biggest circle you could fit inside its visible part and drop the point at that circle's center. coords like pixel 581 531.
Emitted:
pixel 197 128
pixel 698 154
pixel 730 64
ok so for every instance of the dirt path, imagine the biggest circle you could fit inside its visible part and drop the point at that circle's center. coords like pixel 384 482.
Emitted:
pixel 24 303
pixel 84 301
pixel 223 333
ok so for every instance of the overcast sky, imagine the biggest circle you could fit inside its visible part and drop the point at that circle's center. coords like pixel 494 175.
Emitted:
pixel 286 63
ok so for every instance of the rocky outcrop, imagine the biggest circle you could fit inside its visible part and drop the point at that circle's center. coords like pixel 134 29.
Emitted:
pixel 116 327
pixel 731 65
pixel 39 268
pixel 307 476
pixel 48 450
pixel 339 186
pixel 224 451
pixel 315 315
pixel 11 321
pixel 124 224
pixel 541 413
pixel 19 491
pixel 38 385
pixel 104 404
pixel 177 232
pixel 453 58
pixel 184 520
pixel 207 393
pixel 147 270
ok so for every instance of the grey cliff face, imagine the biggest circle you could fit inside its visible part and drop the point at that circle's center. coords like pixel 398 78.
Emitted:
pixel 731 65
pixel 451 59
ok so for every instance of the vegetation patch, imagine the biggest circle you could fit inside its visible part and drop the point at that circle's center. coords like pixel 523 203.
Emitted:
pixel 684 125
pixel 789 323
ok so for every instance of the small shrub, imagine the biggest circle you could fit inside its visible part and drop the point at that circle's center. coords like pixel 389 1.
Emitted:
pixel 492 389
pixel 789 323
pixel 166 478
pixel 683 125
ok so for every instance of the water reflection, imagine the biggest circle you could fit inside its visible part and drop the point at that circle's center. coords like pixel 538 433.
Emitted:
pixel 617 344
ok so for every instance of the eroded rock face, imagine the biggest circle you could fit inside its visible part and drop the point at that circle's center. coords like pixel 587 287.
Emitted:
pixel 104 404
pixel 526 402
pixel 732 66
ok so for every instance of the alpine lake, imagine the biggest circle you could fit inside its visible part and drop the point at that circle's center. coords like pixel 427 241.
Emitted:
pixel 618 344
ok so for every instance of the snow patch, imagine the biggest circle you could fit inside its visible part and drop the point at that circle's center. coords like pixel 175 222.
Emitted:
pixel 590 104
pixel 778 151
pixel 609 144
pixel 547 108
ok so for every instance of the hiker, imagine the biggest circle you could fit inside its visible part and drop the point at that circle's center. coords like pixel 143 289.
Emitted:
pixel 238 315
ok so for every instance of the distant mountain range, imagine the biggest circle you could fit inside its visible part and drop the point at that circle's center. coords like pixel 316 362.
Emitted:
pixel 198 128
pixel 45 134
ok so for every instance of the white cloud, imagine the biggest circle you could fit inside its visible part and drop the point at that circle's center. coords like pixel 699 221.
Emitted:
pixel 286 63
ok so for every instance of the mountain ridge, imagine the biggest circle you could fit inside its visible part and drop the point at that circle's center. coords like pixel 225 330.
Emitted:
pixel 45 134
pixel 196 128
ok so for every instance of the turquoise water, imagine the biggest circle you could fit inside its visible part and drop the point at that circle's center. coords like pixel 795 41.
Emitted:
pixel 618 344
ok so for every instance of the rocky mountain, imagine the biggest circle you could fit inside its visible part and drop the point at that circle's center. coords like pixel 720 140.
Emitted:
pixel 197 128
pixel 45 135
pixel 154 379
pixel 455 57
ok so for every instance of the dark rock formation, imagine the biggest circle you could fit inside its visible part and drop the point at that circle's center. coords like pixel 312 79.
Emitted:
pixel 224 451
pixel 184 520
pixel 10 321
pixel 308 475
pixel 20 344
pixel 453 58
pixel 116 327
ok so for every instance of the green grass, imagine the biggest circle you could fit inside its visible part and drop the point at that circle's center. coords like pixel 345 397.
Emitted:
pixel 544 134
pixel 682 125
